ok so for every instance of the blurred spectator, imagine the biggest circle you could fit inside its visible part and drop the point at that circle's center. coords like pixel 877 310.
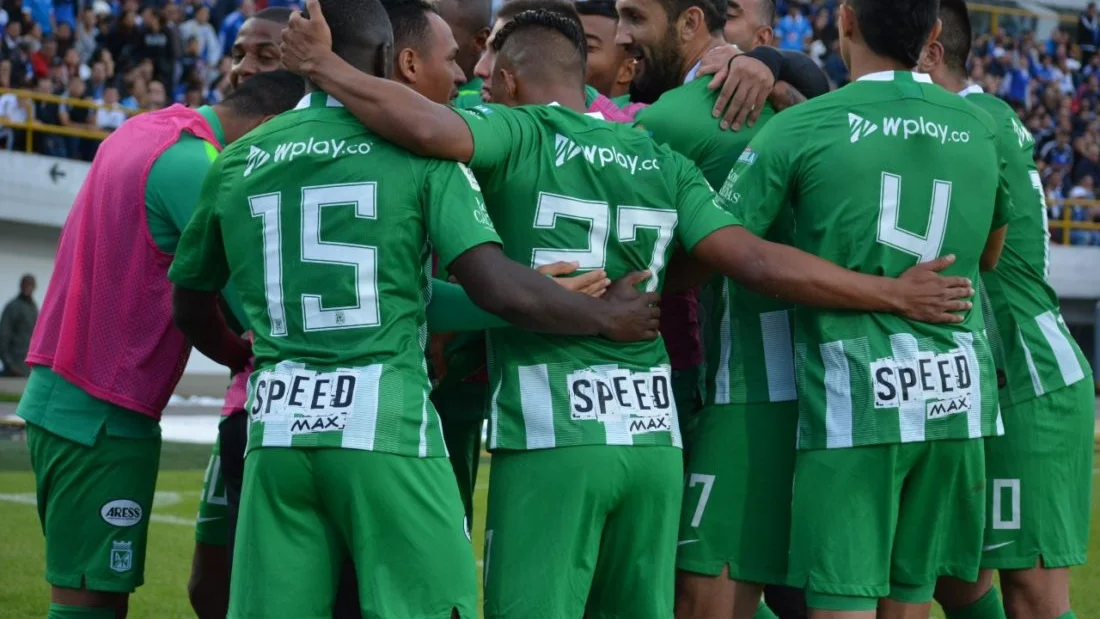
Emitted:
pixel 124 39
pixel 13 32
pixel 16 326
pixel 13 109
pixel 193 97
pixel 1088 32
pixel 210 49
pixel 232 24
pixel 98 81
pixel 137 90
pixel 42 13
pixel 794 30
pixel 63 34
pixel 157 98
pixel 70 61
pixel 48 113
pixel 87 35
pixel 156 47
pixel 77 117
pixel 112 115
pixel 43 58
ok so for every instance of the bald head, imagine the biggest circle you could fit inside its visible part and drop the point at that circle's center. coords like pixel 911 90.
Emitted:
pixel 470 21
pixel 361 34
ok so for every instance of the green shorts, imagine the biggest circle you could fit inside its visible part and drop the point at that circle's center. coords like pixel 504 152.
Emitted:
pixel 94 504
pixel 737 501
pixel 399 519
pixel 1039 480
pixel 461 408
pixel 583 531
pixel 211 526
pixel 886 520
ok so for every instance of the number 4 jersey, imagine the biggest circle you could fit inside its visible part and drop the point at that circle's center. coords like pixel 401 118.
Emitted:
pixel 325 230
pixel 561 185
pixel 882 174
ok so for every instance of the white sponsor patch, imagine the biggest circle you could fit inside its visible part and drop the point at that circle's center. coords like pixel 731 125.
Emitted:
pixel 641 399
pixel 314 401
pixel 941 382
pixel 121 513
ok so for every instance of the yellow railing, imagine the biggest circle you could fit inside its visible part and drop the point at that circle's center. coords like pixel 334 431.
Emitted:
pixel 32 126
pixel 996 13
pixel 1065 225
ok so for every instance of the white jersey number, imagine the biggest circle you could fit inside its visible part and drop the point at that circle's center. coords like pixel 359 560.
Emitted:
pixel 927 246
pixel 363 259
pixel 597 215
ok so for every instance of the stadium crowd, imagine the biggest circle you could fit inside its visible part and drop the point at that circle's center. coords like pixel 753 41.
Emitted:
pixel 131 55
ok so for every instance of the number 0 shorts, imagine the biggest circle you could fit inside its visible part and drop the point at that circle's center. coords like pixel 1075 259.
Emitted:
pixel 583 531
pixel 1039 482
pixel 399 519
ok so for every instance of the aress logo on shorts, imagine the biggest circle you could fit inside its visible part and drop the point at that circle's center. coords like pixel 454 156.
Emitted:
pixel 121 513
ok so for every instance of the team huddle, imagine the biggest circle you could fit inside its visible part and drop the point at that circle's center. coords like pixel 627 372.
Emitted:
pixel 745 347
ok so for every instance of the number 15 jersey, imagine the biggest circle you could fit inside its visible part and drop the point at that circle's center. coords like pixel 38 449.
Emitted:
pixel 882 174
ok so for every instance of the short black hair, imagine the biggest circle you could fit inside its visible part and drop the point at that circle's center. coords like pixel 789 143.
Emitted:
pixel 409 19
pixel 361 33
pixel 956 35
pixel 562 7
pixel 766 8
pixel 714 11
pixel 267 94
pixel 551 46
pixel 277 14
pixel 896 29
pixel 602 8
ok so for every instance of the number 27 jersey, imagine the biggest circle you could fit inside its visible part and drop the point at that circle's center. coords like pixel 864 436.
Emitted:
pixel 882 174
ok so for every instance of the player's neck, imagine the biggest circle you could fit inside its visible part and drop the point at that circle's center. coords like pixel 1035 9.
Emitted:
pixel 949 80
pixel 865 63
pixel 565 96
pixel 694 52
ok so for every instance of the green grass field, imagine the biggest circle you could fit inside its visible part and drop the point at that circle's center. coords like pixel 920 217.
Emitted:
pixel 24 593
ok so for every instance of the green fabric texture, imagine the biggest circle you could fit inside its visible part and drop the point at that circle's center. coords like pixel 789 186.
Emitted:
pixel 59 611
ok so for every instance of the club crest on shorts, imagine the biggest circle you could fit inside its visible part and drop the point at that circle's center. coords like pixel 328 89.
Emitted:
pixel 122 557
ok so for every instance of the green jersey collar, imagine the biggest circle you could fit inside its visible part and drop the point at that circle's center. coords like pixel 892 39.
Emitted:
pixel 890 76
pixel 215 123
pixel 597 115
pixel 972 89
pixel 318 99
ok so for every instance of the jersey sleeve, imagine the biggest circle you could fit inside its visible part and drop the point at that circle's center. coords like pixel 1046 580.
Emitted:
pixel 760 183
pixel 700 211
pixel 1003 206
pixel 172 191
pixel 499 133
pixel 455 211
pixel 200 262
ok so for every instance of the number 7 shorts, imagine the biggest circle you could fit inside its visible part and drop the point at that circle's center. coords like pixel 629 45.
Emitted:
pixel 1039 482
pixel 582 531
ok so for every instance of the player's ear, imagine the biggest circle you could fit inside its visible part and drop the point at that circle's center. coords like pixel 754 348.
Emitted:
pixel 930 57
pixel 690 22
pixel 764 36
pixel 405 65
pixel 846 20
pixel 481 40
pixel 936 29
pixel 625 74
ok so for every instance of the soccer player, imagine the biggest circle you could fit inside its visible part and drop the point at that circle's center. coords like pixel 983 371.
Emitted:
pixel 727 553
pixel 469 21
pixel 328 251
pixel 256 48
pixel 587 472
pixel 610 68
pixel 891 412
pixel 1039 474
pixel 106 357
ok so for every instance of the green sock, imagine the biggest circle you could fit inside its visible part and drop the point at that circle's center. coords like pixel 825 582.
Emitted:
pixel 58 611
pixel 1068 615
pixel 763 612
pixel 989 607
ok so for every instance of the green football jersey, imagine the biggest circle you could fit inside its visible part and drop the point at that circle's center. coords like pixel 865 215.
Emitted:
pixel 327 231
pixel 747 337
pixel 562 185
pixel 884 173
pixel 1035 351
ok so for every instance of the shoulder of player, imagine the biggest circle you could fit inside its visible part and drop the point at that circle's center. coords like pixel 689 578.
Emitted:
pixel 952 101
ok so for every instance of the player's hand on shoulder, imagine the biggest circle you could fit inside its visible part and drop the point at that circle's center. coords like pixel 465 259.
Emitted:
pixel 593 283
pixel 745 84
pixel 306 39
pixel 926 296
pixel 633 315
